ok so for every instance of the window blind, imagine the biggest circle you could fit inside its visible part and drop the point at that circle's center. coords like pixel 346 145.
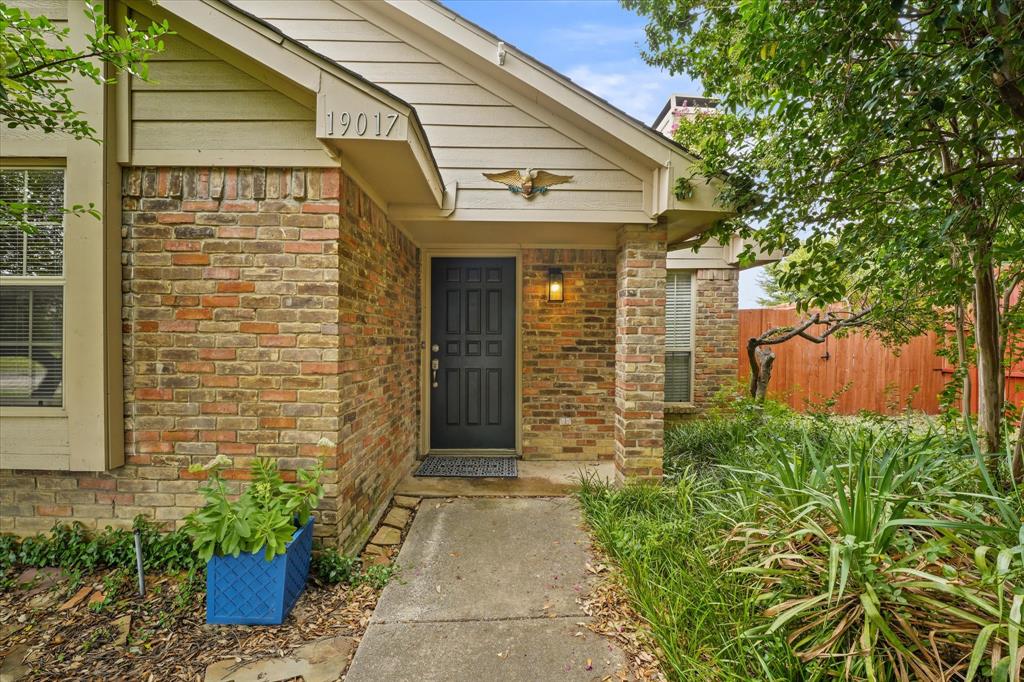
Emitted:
pixel 32 288
pixel 679 336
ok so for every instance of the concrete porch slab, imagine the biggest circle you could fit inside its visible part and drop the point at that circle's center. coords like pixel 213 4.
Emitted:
pixel 526 651
pixel 487 591
pixel 487 558
pixel 536 479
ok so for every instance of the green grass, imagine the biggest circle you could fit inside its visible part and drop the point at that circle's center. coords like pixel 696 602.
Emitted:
pixel 664 540
pixel 790 548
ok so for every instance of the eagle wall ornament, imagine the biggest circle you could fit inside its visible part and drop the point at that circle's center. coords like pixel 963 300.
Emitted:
pixel 529 182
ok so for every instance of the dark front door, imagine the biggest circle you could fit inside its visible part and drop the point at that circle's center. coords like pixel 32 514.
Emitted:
pixel 472 342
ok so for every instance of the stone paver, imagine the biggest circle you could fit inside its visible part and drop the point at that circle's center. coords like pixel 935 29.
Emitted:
pixel 406 502
pixel 318 661
pixel 397 517
pixel 488 590
pixel 11 667
pixel 387 535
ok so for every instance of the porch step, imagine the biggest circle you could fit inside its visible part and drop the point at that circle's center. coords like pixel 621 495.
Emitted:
pixel 473 453
pixel 536 479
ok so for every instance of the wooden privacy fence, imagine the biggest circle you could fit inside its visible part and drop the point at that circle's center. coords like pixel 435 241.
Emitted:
pixel 874 377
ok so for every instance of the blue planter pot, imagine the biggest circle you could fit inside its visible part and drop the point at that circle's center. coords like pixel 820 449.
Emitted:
pixel 249 590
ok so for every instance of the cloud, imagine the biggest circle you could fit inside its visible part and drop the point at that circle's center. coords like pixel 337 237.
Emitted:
pixel 636 88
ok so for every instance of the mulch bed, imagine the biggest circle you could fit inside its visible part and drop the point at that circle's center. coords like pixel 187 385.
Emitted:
pixel 167 636
pixel 97 626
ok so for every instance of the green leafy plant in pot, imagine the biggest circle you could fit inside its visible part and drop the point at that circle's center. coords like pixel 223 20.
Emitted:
pixel 258 545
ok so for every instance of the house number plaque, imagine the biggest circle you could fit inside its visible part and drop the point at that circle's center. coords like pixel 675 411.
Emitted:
pixel 361 124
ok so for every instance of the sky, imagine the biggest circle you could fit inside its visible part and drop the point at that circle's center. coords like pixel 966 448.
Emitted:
pixel 597 44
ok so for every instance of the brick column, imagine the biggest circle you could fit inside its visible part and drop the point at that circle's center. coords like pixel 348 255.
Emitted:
pixel 640 352
pixel 716 334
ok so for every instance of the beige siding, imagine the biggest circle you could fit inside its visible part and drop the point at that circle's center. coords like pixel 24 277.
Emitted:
pixel 196 101
pixel 471 129
pixel 29 442
pixel 54 10
pixel 709 256
pixel 85 435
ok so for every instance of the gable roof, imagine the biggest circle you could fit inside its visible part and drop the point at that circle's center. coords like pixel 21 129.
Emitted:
pixel 626 171
pixel 664 161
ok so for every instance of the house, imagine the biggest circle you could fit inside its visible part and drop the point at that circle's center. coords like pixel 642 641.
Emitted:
pixel 300 255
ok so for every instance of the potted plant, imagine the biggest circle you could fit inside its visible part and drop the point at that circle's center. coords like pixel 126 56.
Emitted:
pixel 257 546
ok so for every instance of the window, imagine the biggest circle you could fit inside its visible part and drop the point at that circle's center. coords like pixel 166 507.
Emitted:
pixel 32 290
pixel 679 337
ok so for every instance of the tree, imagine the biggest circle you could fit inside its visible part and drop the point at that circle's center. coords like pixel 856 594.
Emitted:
pixel 36 64
pixel 889 133
pixel 774 274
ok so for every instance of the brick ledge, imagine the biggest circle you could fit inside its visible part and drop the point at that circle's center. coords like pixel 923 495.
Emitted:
pixel 682 408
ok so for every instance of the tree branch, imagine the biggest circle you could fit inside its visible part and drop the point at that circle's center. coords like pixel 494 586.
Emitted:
pixel 58 62
pixel 983 165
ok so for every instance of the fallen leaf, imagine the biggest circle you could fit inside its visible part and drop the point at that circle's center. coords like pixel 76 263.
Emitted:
pixel 122 625
pixel 75 600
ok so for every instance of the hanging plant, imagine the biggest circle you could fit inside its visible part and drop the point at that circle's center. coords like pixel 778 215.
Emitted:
pixel 683 189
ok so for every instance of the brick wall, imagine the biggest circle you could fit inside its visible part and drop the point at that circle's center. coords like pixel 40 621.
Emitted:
pixel 640 352
pixel 379 395
pixel 569 355
pixel 239 340
pixel 716 334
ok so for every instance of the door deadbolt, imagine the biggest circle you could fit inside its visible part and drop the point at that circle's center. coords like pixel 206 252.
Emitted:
pixel 434 348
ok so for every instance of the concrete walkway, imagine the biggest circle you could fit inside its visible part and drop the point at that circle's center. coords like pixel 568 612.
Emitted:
pixel 487 591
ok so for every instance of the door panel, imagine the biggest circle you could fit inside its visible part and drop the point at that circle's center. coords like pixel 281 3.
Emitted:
pixel 473 313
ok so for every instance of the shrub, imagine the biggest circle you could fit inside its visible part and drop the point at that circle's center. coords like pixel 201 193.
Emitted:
pixel 73 547
pixel 79 551
pixel 264 517
pixel 331 567
pixel 725 433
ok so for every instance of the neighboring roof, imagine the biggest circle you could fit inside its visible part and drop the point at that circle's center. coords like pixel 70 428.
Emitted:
pixel 684 101
pixel 565 80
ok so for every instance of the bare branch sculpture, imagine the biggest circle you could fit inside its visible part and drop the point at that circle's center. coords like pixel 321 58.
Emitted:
pixel 762 357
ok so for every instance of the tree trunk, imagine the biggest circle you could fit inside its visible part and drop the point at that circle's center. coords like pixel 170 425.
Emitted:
pixel 962 365
pixel 986 334
pixel 755 371
pixel 765 360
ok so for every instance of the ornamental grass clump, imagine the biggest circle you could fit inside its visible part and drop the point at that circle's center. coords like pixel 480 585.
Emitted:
pixel 264 516
pixel 875 560
pixel 822 549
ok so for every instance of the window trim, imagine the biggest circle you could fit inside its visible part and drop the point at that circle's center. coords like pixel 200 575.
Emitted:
pixel 49 280
pixel 693 336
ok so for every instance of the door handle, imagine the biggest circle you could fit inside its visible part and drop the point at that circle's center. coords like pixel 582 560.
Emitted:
pixel 434 364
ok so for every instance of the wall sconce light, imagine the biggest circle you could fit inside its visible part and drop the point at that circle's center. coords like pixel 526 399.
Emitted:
pixel 556 286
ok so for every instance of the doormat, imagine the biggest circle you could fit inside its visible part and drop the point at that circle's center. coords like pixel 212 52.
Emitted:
pixel 468 467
